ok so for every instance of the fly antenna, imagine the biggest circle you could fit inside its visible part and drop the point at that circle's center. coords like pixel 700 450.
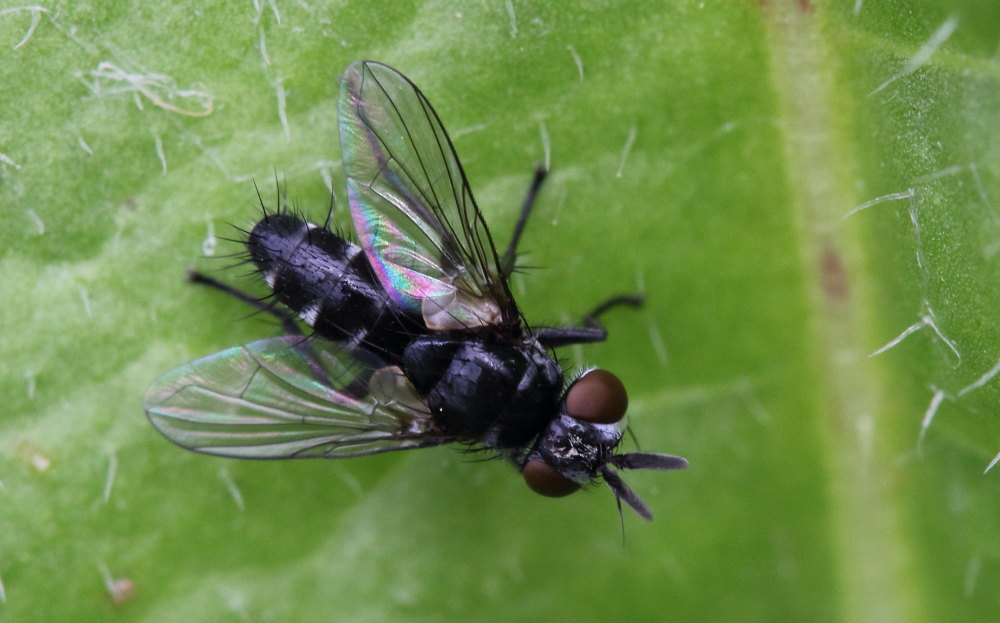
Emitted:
pixel 631 435
pixel 648 460
pixel 624 494
pixel 637 460
pixel 621 517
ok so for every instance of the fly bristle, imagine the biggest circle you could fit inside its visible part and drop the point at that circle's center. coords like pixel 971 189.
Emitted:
pixel 242 260
pixel 524 269
pixel 575 375
pixel 252 273
pixel 482 453
pixel 239 240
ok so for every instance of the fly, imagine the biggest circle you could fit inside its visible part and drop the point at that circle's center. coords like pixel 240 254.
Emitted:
pixel 416 338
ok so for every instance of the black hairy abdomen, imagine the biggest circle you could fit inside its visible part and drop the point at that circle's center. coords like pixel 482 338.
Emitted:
pixel 329 283
pixel 479 387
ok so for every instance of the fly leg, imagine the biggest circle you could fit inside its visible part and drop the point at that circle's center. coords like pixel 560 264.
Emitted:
pixel 552 337
pixel 510 256
pixel 287 320
pixel 591 331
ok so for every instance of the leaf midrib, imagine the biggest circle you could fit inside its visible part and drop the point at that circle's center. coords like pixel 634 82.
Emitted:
pixel 868 538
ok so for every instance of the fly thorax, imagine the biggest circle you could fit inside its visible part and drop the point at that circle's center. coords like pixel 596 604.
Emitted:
pixel 484 389
pixel 534 403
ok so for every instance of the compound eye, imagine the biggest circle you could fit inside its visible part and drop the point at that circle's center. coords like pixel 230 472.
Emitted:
pixel 597 397
pixel 545 480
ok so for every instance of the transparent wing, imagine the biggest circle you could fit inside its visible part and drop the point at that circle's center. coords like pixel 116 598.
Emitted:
pixel 287 397
pixel 412 207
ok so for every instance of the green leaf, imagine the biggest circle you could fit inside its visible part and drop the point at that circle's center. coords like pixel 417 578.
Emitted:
pixel 807 192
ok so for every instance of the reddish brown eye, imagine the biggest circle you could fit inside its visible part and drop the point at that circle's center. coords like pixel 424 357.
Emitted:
pixel 545 480
pixel 597 397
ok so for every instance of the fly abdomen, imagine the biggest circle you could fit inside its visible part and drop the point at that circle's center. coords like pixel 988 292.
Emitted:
pixel 328 282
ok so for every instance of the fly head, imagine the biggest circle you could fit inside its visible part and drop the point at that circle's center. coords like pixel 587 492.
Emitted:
pixel 579 445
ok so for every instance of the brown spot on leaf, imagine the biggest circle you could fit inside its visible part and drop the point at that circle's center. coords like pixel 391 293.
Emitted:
pixel 832 274
pixel 804 6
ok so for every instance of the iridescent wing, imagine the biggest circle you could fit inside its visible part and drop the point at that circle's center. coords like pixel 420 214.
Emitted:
pixel 412 207
pixel 288 397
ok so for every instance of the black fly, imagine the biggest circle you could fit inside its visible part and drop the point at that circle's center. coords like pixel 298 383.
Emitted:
pixel 417 339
